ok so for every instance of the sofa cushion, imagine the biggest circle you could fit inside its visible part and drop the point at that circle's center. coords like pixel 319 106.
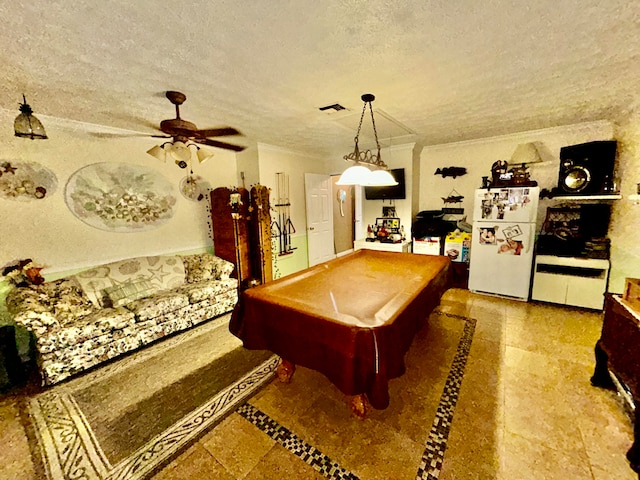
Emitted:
pixel 129 291
pixel 205 290
pixel 204 266
pixel 162 272
pixel 159 304
pixel 102 322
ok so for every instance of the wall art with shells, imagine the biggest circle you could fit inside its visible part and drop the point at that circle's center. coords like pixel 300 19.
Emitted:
pixel 120 197
pixel 26 181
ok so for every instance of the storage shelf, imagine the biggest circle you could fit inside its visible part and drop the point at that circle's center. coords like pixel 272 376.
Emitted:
pixel 580 262
pixel 581 282
pixel 586 198
pixel 385 247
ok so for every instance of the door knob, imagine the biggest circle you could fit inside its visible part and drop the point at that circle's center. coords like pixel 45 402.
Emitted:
pixel 310 228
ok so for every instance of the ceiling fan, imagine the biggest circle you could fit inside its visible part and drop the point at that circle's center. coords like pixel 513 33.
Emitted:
pixel 183 130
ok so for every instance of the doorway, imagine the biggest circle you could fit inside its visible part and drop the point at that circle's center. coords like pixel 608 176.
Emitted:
pixel 343 216
pixel 318 195
pixel 332 217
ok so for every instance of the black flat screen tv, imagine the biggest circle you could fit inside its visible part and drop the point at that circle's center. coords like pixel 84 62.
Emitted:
pixel 393 192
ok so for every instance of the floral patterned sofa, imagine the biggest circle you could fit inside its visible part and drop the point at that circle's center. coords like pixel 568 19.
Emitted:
pixel 85 319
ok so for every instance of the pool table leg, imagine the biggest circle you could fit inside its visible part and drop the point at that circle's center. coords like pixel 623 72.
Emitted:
pixel 285 370
pixel 359 405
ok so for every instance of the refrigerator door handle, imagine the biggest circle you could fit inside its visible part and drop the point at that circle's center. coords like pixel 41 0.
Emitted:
pixel 532 236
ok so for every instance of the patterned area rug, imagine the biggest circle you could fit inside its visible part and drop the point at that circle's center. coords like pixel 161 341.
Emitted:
pixel 129 418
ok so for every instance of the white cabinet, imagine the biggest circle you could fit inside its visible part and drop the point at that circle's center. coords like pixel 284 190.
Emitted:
pixel 385 247
pixel 580 282
pixel 427 246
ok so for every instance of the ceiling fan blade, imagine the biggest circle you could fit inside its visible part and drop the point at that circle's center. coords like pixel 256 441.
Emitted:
pixel 216 132
pixel 123 135
pixel 215 143
pixel 180 132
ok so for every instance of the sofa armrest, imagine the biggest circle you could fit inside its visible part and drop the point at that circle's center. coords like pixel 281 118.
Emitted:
pixel 204 266
pixel 47 307
pixel 21 299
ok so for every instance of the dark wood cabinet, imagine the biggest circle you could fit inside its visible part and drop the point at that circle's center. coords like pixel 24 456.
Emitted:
pixel 460 272
pixel 618 355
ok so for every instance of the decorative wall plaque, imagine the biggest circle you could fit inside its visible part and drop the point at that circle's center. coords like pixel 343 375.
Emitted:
pixel 26 181
pixel 119 197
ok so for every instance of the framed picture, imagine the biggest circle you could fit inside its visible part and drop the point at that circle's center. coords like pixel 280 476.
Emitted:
pixel 392 224
pixel 389 212
pixel 512 231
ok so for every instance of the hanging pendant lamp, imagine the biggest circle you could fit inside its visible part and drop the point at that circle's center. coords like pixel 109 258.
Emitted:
pixel 359 174
pixel 26 125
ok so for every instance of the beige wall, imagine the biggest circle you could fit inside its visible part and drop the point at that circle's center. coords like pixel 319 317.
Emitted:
pixel 49 233
pixel 477 156
pixel 295 164
pixel 46 230
pixel 625 222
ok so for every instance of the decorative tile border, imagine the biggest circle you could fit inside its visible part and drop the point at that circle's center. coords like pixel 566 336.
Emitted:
pixel 307 453
pixel 433 455
pixel 436 445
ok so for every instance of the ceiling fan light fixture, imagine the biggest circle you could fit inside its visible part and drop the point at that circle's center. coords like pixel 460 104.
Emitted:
pixel 179 151
pixel 26 125
pixel 203 154
pixel 158 152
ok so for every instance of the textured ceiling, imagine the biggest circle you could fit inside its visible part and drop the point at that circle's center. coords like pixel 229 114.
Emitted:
pixel 447 71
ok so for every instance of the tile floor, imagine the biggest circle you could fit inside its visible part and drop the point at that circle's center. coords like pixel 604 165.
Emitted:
pixel 525 410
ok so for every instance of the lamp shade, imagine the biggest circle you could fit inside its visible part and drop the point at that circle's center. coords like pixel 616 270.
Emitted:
pixel 158 152
pixel 355 175
pixel 381 178
pixel 526 153
pixel 203 154
pixel 26 125
pixel 179 151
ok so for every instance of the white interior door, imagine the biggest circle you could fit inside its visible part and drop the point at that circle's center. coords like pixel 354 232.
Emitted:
pixel 318 196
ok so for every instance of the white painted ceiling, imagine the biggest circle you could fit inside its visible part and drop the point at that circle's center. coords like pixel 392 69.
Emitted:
pixel 441 69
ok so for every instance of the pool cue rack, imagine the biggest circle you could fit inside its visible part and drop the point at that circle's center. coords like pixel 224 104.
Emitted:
pixel 282 226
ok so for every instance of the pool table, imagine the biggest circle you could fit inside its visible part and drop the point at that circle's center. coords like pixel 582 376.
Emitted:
pixel 352 318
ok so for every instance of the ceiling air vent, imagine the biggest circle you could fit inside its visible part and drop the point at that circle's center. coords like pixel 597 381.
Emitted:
pixel 336 106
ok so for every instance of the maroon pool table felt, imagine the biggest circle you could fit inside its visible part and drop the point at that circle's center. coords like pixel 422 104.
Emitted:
pixel 352 319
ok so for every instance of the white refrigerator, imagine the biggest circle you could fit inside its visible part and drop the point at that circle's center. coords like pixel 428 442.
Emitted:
pixel 502 241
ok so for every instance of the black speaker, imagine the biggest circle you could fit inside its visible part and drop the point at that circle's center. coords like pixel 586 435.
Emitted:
pixel 587 168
